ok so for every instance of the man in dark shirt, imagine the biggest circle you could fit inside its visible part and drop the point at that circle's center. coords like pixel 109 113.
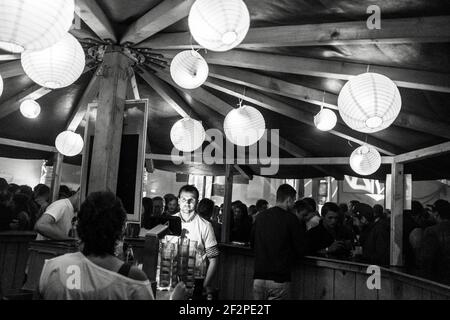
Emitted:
pixel 277 239
pixel 329 237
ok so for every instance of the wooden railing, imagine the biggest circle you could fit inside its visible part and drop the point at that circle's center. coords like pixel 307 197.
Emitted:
pixel 320 278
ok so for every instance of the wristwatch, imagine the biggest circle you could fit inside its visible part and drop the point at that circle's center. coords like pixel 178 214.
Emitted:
pixel 326 249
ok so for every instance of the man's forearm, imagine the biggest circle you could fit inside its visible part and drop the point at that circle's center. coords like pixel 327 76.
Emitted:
pixel 50 232
pixel 212 268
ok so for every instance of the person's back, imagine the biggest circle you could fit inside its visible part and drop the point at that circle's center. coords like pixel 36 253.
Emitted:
pixel 74 277
pixel 377 244
pixel 275 243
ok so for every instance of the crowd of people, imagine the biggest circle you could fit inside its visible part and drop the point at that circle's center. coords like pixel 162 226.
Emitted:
pixel 291 228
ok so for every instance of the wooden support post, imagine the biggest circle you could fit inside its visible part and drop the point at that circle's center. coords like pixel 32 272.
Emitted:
pixel 315 189
pixel 56 179
pixel 109 122
pixel 227 214
pixel 300 188
pixel 397 198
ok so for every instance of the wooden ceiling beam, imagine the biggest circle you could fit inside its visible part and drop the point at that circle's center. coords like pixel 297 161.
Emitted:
pixel 11 69
pixel 297 114
pixel 405 78
pixel 8 57
pixel 26 145
pixel 408 30
pixel 160 17
pixel 223 108
pixel 91 13
pixel 424 153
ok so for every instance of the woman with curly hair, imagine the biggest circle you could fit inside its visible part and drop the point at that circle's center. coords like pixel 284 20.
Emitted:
pixel 95 272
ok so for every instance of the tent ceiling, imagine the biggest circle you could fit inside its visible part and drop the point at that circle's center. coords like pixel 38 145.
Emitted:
pixel 58 105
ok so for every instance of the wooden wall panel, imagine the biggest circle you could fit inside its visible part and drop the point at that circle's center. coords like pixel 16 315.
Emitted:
pixel 344 285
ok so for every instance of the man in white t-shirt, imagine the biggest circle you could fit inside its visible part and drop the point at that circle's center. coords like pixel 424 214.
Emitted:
pixel 56 221
pixel 195 228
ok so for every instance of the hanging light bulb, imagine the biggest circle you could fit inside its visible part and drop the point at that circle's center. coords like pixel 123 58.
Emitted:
pixel 369 102
pixel 188 69
pixel 187 134
pixel 219 25
pixel 30 108
pixel 69 143
pixel 365 160
pixel 244 126
pixel 57 66
pixel 33 25
pixel 325 120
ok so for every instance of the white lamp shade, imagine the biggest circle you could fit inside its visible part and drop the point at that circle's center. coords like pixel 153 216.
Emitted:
pixel 369 102
pixel 188 69
pixel 365 160
pixel 187 134
pixel 30 108
pixel 244 126
pixel 33 24
pixel 1 85
pixel 325 120
pixel 219 25
pixel 69 143
pixel 55 67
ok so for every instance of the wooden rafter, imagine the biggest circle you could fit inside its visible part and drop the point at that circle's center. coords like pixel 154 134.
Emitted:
pixel 424 29
pixel 406 78
pixel 179 105
pixel 26 145
pixel 95 18
pixel 160 17
pixel 424 153
pixel 11 69
pixel 13 104
pixel 8 57
pixel 297 114
pixel 223 108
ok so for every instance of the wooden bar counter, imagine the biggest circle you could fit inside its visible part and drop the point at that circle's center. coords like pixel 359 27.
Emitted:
pixel 324 279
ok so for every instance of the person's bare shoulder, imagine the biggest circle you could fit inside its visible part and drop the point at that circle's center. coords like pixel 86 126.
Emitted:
pixel 137 274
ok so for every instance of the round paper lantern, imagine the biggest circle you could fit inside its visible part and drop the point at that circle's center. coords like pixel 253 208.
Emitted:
pixel 187 134
pixel 33 25
pixel 219 25
pixel 244 126
pixel 365 160
pixel 69 143
pixel 55 67
pixel 30 108
pixel 1 85
pixel 325 120
pixel 188 69
pixel 369 102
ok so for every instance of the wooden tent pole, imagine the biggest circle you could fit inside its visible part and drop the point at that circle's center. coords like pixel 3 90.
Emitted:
pixel 227 214
pixel 56 179
pixel 397 199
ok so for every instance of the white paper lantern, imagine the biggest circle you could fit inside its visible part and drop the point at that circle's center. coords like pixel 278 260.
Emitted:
pixel 219 25
pixel 187 134
pixel 365 160
pixel 55 67
pixel 244 126
pixel 1 85
pixel 69 143
pixel 325 120
pixel 369 102
pixel 33 24
pixel 188 69
pixel 30 108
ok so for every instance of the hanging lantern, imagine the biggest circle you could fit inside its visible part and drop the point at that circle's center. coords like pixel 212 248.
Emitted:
pixel 55 67
pixel 33 25
pixel 365 160
pixel 69 143
pixel 325 120
pixel 188 69
pixel 187 134
pixel 244 126
pixel 1 85
pixel 369 102
pixel 30 108
pixel 219 25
